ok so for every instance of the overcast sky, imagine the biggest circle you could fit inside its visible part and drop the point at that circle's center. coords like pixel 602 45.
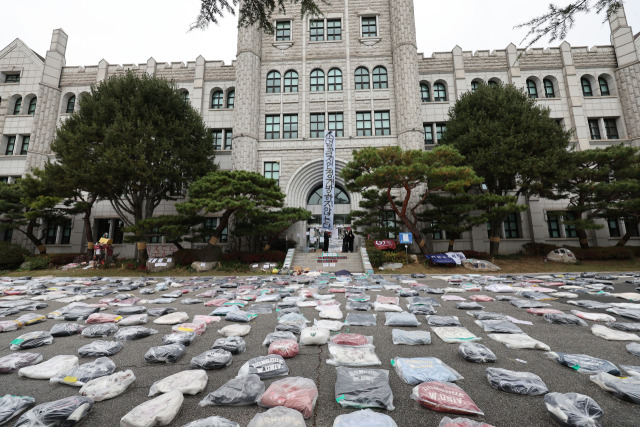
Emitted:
pixel 131 31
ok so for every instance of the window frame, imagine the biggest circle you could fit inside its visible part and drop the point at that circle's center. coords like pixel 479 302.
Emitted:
pixel 553 224
pixel 71 104
pixel 593 129
pixel 611 128
pixel 380 80
pixel 273 168
pixel 289 126
pixel 439 88
pixel 12 78
pixel 334 80
pixel 424 86
pixel 585 84
pixel 603 82
pixel 618 232
pixel 291 81
pixel 17 106
pixel 335 36
pixel 228 139
pixel 274 82
pixel 441 129
pixel 382 123
pixel 231 99
pixel 570 231
pixel 368 26
pixel 532 89
pixel 511 227
pixel 549 88
pixel 362 78
pixel 315 130
pixel 283 31
pixel 336 125
pixel 217 100
pixel 218 139
pixel 272 120
pixel 363 123
pixel 24 145
pixel 31 110
pixel 428 130
pixel 11 145
pixel 211 224
pixel 319 34
pixel 317 80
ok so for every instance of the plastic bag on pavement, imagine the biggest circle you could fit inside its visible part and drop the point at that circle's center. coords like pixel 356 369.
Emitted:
pixel 134 320
pixel 364 417
pixel 360 319
pixel 347 355
pixel 445 397
pixel 625 326
pixel 31 340
pixel 13 362
pixel 543 311
pixel 564 319
pixel 363 388
pixel 159 411
pixel 186 382
pixel 314 336
pixel 583 363
pixel 212 360
pixel 595 317
pixel 462 422
pixel 284 348
pixel 109 386
pixel 239 316
pixel 443 321
pixel 278 335
pixel 476 353
pixel 131 333
pixel 198 327
pixel 331 314
pixel 422 309
pixel 487 315
pixel 612 334
pixel 294 392
pixel 172 318
pixel 358 306
pixel 633 348
pixel 235 330
pixel 80 375
pixel 633 314
pixel 12 406
pixel 499 326
pixel 523 303
pixel 401 319
pixel 214 421
pixel 50 368
pixel 100 348
pixel 169 353
pixel 401 337
pixel 10 325
pixel 103 318
pixel 423 369
pixel 623 388
pixel 277 417
pixel 224 310
pixel 386 307
pixel 573 409
pixel 157 312
pixel 65 329
pixel 239 391
pixel 234 345
pixel 454 334
pixel 31 319
pixel 184 338
pixel 516 382
pixel 332 325
pixel 519 341
pixel 100 330
pixel 351 339
pixel 469 306
pixel 201 318
pixel 633 371
pixel 265 367
pixel 64 412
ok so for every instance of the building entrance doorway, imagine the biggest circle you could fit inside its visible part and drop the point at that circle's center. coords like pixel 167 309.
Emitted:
pixel 314 235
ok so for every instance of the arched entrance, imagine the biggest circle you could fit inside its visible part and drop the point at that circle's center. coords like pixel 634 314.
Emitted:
pixel 342 206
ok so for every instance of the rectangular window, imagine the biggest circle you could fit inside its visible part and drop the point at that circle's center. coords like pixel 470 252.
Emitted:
pixel 209 227
pixel 570 230
pixel 228 139
pixel 12 78
pixel 217 139
pixel 336 124
pixel 614 227
pixel 316 30
pixel 316 125
pixel 155 239
pixel 437 233
pixel 441 128
pixel 512 227
pixel 428 133
pixel 65 239
pixel 363 123
pixel 553 224
pixel 272 127
pixel 369 26
pixel 283 31
pixel 7 235
pixel 112 227
pixel 334 29
pixel 631 225
pixel 51 233
pixel 389 221
pixel 611 129
pixel 383 123
pixel 290 126
pixel 25 145
pixel 4 179
pixel 272 171
pixel 11 144
pixel 594 129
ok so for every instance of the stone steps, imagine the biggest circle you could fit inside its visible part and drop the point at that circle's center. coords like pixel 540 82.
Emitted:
pixel 329 262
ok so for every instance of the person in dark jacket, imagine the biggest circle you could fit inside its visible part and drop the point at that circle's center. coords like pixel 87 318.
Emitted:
pixel 325 243
pixel 345 242
pixel 351 238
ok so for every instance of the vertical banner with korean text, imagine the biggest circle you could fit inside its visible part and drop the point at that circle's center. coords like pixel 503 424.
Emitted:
pixel 328 180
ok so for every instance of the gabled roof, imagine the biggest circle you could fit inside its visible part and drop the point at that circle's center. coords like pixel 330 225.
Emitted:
pixel 30 55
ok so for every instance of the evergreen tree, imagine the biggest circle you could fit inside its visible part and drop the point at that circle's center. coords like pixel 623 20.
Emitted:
pixel 373 219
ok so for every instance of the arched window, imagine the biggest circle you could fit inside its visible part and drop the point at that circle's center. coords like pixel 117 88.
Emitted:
pixel 549 91
pixel 17 106
pixel 494 83
pixel 380 79
pixel 334 80
pixel 231 99
pixel 71 104
pixel 362 78
pixel 586 87
pixel 291 81
pixel 475 85
pixel 32 106
pixel 317 81
pixel 217 100
pixel 340 196
pixel 604 86
pixel 273 82
pixel 532 89
pixel 425 95
pixel 185 96
pixel 439 92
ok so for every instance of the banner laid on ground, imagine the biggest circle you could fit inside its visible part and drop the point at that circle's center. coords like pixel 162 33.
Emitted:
pixel 328 180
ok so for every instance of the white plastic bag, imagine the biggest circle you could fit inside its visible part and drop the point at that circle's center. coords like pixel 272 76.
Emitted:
pixel 235 330
pixel 108 387
pixel 595 317
pixel 186 382
pixel 278 417
pixel 454 334
pixel 134 320
pixel 387 307
pixel 417 370
pixel 155 412
pixel 612 334
pixel 519 341
pixel 400 336
pixel 334 314
pixel 214 421
pixel 314 336
pixel 50 368
pixel 364 417
pixel 172 318
pixel 348 355
pixel 332 325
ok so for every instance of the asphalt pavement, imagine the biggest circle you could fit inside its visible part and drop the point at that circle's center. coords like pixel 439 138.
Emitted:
pixel 501 409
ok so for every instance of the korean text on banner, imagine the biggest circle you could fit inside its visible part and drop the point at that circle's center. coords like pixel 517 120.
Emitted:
pixel 328 180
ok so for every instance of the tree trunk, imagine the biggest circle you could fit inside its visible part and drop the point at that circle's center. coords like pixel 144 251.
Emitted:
pixel 88 232
pixel 42 249
pixel 582 238
pixel 494 240
pixel 143 256
pixel 451 243
pixel 224 222
pixel 422 243
pixel 623 241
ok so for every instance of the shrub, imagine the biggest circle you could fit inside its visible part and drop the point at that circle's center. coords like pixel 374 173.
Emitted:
pixel 601 254
pixel 35 262
pixel 538 249
pixel 11 256
pixel 62 259
pixel 255 257
pixel 475 254
pixel 188 256
pixel 394 257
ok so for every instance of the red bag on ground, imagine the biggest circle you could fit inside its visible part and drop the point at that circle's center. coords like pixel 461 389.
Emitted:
pixel 349 339
pixel 285 348
pixel 215 302
pixel 483 298
pixel 445 397
pixel 294 392
pixel 103 318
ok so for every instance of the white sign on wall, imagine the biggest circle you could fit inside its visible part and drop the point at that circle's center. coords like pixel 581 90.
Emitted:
pixel 328 180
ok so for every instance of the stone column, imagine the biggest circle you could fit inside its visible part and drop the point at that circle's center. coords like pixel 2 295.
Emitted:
pixel 574 97
pixel 246 120
pixel 405 75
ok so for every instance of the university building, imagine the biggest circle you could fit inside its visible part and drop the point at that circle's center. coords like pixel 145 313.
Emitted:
pixel 356 71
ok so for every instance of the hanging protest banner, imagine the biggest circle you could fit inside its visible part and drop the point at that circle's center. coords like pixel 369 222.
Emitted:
pixel 328 180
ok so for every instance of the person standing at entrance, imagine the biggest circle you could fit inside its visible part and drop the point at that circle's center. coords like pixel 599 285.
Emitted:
pixel 351 238
pixel 345 242
pixel 325 243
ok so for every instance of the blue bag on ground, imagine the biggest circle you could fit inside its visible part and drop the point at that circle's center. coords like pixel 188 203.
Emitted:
pixel 417 370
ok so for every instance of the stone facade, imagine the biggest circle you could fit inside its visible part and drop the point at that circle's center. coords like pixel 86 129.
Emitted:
pixel 370 82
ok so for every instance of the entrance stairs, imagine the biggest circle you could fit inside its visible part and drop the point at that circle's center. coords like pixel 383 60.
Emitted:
pixel 329 261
